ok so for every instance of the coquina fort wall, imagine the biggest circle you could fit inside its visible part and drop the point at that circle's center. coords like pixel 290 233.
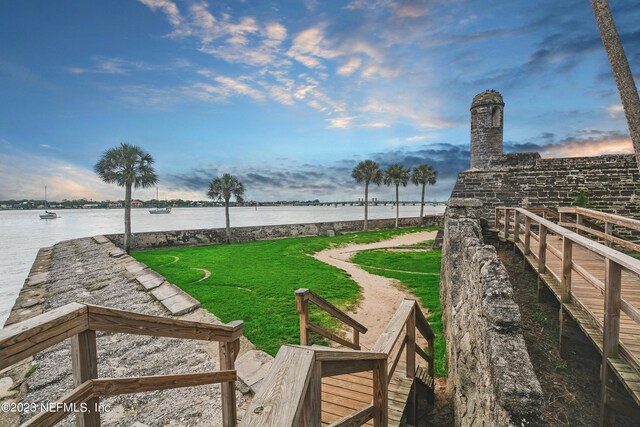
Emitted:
pixel 210 236
pixel 610 182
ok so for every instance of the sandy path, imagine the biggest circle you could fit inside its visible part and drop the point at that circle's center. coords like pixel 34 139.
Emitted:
pixel 380 297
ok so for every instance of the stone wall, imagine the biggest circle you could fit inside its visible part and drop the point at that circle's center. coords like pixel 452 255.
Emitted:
pixel 248 234
pixel 490 376
pixel 526 180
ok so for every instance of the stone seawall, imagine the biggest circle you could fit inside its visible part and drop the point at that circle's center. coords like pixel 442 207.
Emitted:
pixel 248 234
pixel 525 180
pixel 490 378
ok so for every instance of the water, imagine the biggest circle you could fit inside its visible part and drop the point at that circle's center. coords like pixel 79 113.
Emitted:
pixel 22 233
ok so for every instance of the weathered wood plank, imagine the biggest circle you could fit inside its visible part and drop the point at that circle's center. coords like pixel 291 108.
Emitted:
pixel 334 311
pixel 356 419
pixel 331 336
pixel 279 400
pixel 84 367
pixel 77 396
pixel 24 339
pixel 113 320
pixel 128 385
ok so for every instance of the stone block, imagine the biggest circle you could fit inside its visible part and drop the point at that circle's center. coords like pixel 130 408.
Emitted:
pixel 166 290
pixel 37 279
pixel 252 367
pixel 150 280
pixel 101 239
pixel 180 304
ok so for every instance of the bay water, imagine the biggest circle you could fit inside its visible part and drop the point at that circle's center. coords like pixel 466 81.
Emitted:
pixel 22 233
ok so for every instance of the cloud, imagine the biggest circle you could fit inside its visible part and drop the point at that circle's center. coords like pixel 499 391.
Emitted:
pixel 169 8
pixel 590 142
pixel 349 67
pixel 615 111
pixel 310 48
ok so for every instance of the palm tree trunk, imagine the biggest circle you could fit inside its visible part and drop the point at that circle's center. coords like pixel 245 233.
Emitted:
pixel 366 205
pixel 226 214
pixel 397 204
pixel 621 70
pixel 127 218
pixel 422 202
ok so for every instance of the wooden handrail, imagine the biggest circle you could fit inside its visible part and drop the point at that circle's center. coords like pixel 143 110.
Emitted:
pixel 80 321
pixel 401 329
pixel 303 296
pixel 615 263
pixel 290 394
pixel 605 232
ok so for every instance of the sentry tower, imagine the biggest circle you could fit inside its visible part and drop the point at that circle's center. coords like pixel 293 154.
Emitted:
pixel 486 128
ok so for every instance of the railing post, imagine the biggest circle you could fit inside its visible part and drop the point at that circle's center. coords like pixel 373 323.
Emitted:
pixel 411 365
pixel 84 365
pixel 380 394
pixel 567 266
pixel 527 236
pixel 579 221
pixel 611 333
pixel 228 354
pixel 356 337
pixel 516 229
pixel 565 292
pixel 312 410
pixel 542 260
pixel 506 224
pixel 608 230
pixel 432 371
pixel 302 306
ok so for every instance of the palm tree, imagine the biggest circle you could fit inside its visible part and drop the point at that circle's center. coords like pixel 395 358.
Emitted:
pixel 396 174
pixel 222 189
pixel 128 166
pixel 367 171
pixel 423 175
pixel 621 70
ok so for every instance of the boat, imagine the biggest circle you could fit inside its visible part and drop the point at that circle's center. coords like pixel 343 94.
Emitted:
pixel 47 214
pixel 158 210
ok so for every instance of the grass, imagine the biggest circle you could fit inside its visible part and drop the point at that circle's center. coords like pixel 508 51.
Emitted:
pixel 420 274
pixel 255 281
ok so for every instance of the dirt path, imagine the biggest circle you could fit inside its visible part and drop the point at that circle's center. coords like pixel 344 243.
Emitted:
pixel 380 295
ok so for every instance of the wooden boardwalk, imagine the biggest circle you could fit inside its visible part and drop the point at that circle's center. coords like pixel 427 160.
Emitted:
pixel 577 273
pixel 345 394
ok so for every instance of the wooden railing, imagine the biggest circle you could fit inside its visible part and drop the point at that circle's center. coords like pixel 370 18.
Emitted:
pixel 509 221
pixel 399 334
pixel 291 393
pixel 578 219
pixel 546 213
pixel 79 322
pixel 303 297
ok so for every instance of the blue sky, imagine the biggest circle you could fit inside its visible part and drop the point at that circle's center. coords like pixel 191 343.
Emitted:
pixel 290 95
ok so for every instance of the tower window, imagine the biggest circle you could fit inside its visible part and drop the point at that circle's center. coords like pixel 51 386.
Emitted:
pixel 495 117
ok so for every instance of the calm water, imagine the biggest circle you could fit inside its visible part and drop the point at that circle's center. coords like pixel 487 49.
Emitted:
pixel 22 233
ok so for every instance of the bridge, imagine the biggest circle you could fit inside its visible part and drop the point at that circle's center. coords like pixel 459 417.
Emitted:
pixel 371 203
pixel 597 286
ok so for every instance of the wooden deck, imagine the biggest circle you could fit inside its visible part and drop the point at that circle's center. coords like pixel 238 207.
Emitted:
pixel 577 278
pixel 343 395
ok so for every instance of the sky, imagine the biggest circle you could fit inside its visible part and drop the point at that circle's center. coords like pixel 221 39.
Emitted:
pixel 290 95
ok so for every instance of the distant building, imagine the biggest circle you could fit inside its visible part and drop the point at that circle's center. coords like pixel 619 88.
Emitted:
pixel 90 206
pixel 114 205
pixel 137 204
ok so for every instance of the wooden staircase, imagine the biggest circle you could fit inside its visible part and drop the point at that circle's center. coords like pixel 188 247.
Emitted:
pixel 317 385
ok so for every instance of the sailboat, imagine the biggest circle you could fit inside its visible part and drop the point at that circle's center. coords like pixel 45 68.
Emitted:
pixel 47 214
pixel 158 210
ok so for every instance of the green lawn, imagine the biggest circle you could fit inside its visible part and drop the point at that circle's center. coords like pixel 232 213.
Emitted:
pixel 255 281
pixel 420 273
